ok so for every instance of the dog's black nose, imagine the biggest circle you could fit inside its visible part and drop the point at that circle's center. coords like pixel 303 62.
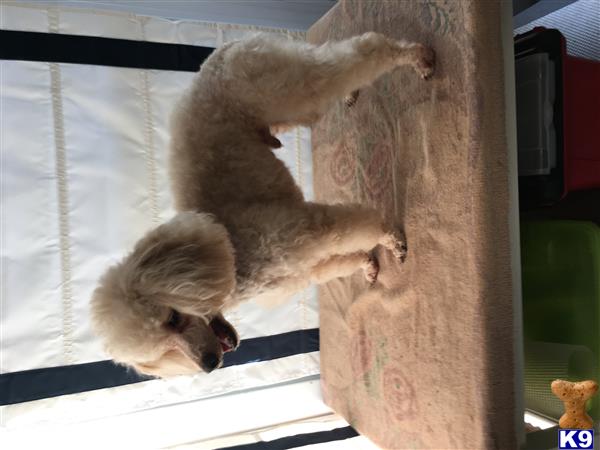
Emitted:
pixel 210 361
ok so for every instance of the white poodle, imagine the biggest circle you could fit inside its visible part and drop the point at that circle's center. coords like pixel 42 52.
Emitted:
pixel 244 230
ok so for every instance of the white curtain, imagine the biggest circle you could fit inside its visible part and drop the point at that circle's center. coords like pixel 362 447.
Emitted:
pixel 83 177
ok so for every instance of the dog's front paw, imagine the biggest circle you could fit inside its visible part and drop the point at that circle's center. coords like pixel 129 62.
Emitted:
pixel 395 241
pixel 424 61
pixel 371 269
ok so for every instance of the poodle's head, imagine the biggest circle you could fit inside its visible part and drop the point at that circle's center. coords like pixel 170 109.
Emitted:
pixel 159 310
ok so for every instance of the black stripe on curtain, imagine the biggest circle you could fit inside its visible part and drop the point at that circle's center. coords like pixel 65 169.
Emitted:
pixel 299 440
pixel 17 387
pixel 28 385
pixel 100 51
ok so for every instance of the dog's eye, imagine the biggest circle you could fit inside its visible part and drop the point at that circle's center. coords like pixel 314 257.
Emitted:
pixel 175 320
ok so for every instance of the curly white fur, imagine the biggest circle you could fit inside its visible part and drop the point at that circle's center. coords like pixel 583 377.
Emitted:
pixel 244 230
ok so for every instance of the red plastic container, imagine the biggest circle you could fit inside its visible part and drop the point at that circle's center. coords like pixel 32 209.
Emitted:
pixel 581 122
pixel 576 121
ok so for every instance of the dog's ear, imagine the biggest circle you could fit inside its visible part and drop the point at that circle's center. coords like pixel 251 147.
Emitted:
pixel 186 263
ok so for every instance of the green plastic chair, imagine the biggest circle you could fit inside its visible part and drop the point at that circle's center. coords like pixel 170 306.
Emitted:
pixel 561 309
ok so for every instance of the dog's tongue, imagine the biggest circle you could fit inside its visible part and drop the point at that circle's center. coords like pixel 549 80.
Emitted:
pixel 225 345
pixel 225 341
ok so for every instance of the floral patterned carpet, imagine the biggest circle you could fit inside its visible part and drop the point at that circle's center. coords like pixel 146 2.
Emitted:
pixel 424 359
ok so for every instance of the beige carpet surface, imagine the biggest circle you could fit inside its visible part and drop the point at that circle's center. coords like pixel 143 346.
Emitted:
pixel 425 358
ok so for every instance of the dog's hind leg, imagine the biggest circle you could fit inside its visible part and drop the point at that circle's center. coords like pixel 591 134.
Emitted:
pixel 289 82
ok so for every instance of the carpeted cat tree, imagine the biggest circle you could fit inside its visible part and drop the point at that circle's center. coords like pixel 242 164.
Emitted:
pixel 425 358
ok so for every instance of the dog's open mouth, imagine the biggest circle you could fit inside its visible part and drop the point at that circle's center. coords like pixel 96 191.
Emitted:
pixel 225 334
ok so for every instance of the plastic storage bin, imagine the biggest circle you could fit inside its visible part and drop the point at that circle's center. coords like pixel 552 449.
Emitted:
pixel 574 117
pixel 561 309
